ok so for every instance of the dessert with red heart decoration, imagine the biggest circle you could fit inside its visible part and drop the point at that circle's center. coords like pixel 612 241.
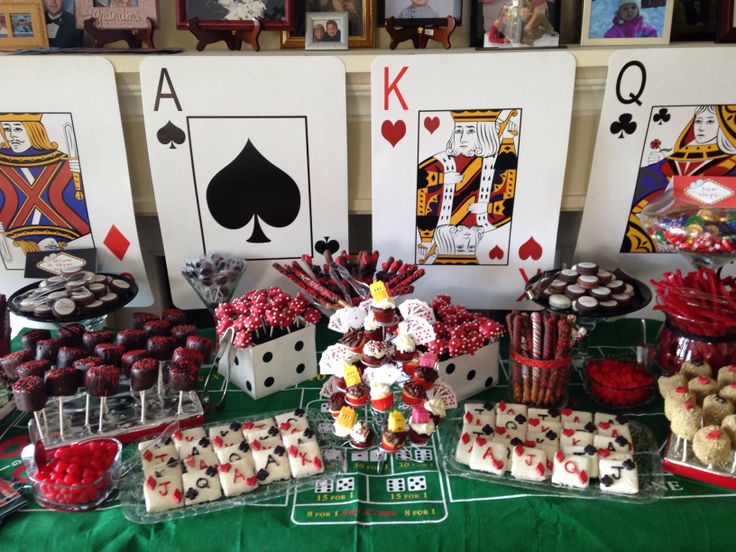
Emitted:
pixel 77 477
pixel 617 383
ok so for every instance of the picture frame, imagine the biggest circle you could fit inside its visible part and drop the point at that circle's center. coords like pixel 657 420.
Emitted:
pixel 694 20
pixel 603 26
pixel 361 21
pixel 22 25
pixel 326 22
pixel 280 15
pixel 117 14
pixel 411 13
pixel 61 24
pixel 484 15
pixel 726 28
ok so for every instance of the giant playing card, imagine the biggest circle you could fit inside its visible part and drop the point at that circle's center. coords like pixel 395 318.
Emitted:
pixel 64 181
pixel 244 162
pixel 468 167
pixel 658 120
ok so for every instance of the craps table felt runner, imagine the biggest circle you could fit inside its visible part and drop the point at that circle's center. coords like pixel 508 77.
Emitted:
pixel 414 505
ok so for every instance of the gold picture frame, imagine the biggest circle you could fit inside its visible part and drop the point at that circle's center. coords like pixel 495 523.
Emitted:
pixel 22 25
pixel 361 39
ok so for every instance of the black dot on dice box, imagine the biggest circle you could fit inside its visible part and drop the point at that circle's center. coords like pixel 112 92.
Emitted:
pixel 300 368
pixel 237 362
pixel 268 382
pixel 299 345
pixel 248 386
pixel 489 382
pixel 471 375
pixel 450 368
pixel 267 357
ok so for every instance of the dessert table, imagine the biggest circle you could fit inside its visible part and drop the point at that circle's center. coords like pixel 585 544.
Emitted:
pixel 412 505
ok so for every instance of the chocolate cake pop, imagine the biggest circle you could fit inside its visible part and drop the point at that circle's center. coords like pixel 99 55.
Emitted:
pixel 711 445
pixel 143 376
pixel 182 353
pixel 60 383
pixel 157 327
pixel 71 335
pixel 131 357
pixel 101 381
pixel 91 339
pixel 29 394
pixel 81 365
pixel 161 347
pixel 46 349
pixel 11 361
pixel 67 355
pixel 182 377
pixel 140 319
pixel 110 353
pixel 131 339
pixel 182 332
pixel 29 339
pixel 175 316
pixel 201 344
pixel 33 368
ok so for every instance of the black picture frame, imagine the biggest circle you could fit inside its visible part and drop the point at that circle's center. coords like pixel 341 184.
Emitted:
pixel 691 23
pixel 429 22
pixel 726 27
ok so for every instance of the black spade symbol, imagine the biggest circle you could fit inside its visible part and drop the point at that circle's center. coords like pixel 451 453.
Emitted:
pixel 171 134
pixel 333 246
pixel 250 186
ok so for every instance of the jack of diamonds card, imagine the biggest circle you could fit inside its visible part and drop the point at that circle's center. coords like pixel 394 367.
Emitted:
pixel 664 114
pixel 246 163
pixel 468 168
pixel 64 184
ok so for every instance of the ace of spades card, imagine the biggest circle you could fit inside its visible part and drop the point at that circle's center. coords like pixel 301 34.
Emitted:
pixel 64 182
pixel 468 167
pixel 665 113
pixel 248 158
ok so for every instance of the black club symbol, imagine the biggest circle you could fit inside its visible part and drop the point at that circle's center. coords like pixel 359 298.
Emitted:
pixel 662 116
pixel 625 124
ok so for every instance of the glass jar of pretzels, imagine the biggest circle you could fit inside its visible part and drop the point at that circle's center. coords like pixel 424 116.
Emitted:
pixel 540 350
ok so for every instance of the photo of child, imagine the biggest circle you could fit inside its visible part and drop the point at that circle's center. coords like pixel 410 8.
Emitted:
pixel 627 19
pixel 332 32
pixel 318 32
pixel 21 24
pixel 329 31
pixel 418 9
pixel 521 23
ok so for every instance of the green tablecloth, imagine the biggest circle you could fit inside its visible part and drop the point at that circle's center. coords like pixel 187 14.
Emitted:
pixel 451 513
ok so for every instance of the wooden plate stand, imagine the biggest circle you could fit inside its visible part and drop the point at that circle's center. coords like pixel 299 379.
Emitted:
pixel 135 38
pixel 233 39
pixel 419 35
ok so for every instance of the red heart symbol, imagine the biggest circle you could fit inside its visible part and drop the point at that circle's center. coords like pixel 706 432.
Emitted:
pixel 218 441
pixel 566 411
pixel 480 441
pixel 497 464
pixel 285 425
pixel 177 435
pixel 496 253
pixel 604 452
pixel 568 432
pixel 534 422
pixel 431 124
pixel 530 249
pixel 465 438
pixel 393 132
pixel 500 430
pixel 225 468
pixel 502 406
pixel 251 481
pixel 317 462
pixel 604 425
pixel 248 425
pixel 530 443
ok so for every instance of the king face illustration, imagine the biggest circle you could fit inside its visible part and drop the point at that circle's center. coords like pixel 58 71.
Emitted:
pixel 42 201
pixel 467 190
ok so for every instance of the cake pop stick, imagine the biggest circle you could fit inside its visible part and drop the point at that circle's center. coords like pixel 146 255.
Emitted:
pixel 86 410
pixel 102 381
pixel 143 376
pixel 30 396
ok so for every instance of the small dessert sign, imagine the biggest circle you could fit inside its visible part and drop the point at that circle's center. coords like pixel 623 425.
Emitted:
pixel 710 191
pixel 39 264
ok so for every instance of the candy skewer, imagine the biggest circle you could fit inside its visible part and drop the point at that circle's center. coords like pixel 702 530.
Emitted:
pixel 143 406
pixel 181 398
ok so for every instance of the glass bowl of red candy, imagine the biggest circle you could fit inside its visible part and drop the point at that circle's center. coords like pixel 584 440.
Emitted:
pixel 77 477
pixel 618 383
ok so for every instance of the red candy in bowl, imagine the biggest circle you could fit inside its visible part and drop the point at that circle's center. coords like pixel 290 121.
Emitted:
pixel 76 477
pixel 618 384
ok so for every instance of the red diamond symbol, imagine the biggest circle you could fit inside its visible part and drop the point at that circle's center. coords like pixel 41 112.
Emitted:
pixel 116 242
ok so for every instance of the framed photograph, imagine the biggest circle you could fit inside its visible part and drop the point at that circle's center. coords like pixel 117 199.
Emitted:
pixel 514 23
pixel 726 31
pixel 117 14
pixel 694 20
pixel 630 22
pixel 22 25
pixel 61 25
pixel 419 12
pixel 360 21
pixel 275 15
pixel 327 31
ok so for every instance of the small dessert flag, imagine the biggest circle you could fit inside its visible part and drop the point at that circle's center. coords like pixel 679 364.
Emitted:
pixel 345 421
pixel 396 422
pixel 379 291
pixel 352 375
pixel 419 415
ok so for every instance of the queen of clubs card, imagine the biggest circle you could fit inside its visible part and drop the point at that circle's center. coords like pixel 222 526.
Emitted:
pixel 467 190
pixel 42 203
pixel 706 146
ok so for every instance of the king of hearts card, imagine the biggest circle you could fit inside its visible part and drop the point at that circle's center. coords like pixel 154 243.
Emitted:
pixel 468 167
